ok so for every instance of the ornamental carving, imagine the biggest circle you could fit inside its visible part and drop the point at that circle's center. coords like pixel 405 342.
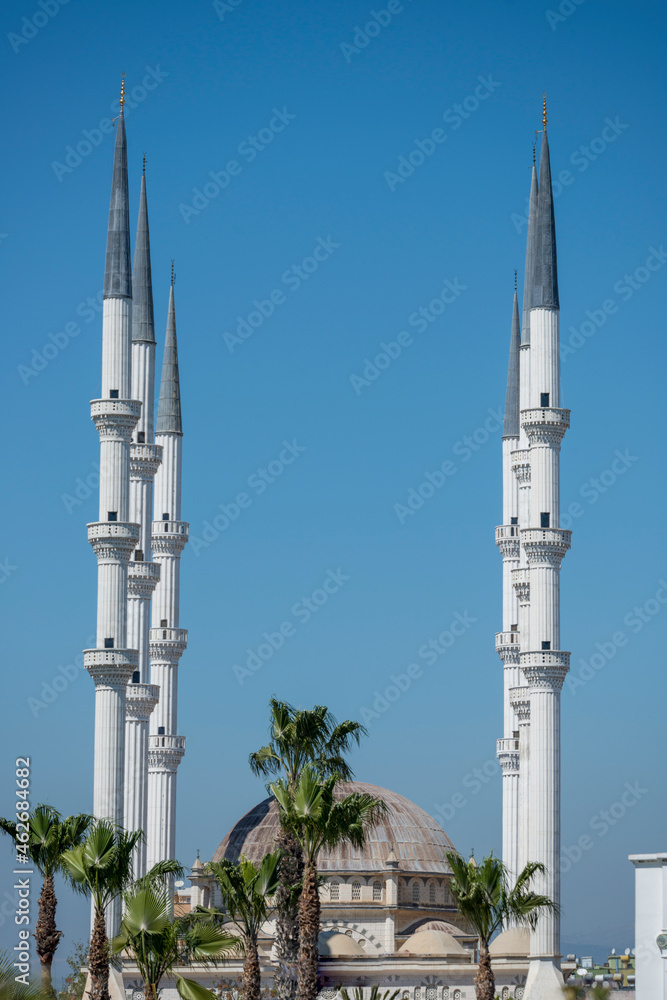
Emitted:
pixel 164 760
pixel 508 654
pixel 545 678
pixel 545 436
pixel 145 460
pixel 168 545
pixel 140 701
pixel 509 763
pixel 509 547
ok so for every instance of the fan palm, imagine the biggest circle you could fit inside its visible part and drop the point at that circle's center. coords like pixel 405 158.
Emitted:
pixel 484 896
pixel 298 737
pixel 158 943
pixel 10 988
pixel 49 836
pixel 319 821
pixel 101 867
pixel 247 891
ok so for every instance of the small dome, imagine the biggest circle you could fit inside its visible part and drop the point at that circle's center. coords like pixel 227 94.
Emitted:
pixel 435 925
pixel 333 944
pixel 511 943
pixel 437 943
pixel 197 864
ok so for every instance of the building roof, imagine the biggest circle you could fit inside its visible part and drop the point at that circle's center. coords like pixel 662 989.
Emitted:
pixel 433 943
pixel 143 327
pixel 511 420
pixel 117 267
pixel 418 842
pixel 169 403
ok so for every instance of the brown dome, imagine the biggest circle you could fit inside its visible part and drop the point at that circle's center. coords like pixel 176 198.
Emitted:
pixel 418 842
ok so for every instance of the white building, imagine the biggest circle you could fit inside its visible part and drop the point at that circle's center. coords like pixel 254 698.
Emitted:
pixel 650 926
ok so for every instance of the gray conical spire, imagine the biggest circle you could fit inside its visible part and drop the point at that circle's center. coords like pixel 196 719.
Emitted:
pixel 142 286
pixel 118 268
pixel 511 421
pixel 545 285
pixel 169 404
pixel 529 273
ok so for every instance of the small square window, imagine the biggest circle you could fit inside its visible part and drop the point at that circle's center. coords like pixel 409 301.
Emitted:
pixel 514 520
pixel 136 676
pixel 546 644
pixel 544 519
pixel 544 399
pixel 514 627
pixel 112 515
pixel 113 393
pixel 141 437
pixel 138 555
pixel 108 643
pixel 160 730
pixel 163 623
pixel 165 517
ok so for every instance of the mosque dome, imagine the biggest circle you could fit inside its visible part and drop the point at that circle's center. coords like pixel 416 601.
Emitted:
pixel 418 843
pixel 512 943
pixel 334 944
pixel 434 943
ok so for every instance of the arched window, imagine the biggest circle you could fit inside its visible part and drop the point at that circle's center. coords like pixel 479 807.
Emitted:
pixel 416 892
pixel 334 890
pixel 431 893
pixel 377 891
pixel 418 993
pixel 356 890
pixel 431 993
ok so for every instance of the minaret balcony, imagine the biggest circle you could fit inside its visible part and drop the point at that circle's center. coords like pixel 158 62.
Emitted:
pixel 169 537
pixel 507 639
pixel 545 668
pixel 546 425
pixel 165 753
pixel 111 667
pixel 545 545
pixel 140 700
pixel 142 579
pixel 507 540
pixel 507 752
pixel 115 418
pixel 520 461
pixel 520 702
pixel 113 540
pixel 167 645
pixel 145 460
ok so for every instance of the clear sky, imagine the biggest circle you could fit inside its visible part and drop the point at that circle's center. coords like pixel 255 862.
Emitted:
pixel 401 154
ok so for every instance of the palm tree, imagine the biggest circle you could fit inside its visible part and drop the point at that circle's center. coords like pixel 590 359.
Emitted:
pixel 298 737
pixel 486 899
pixel 247 892
pixel 49 837
pixel 10 988
pixel 319 821
pixel 158 943
pixel 101 867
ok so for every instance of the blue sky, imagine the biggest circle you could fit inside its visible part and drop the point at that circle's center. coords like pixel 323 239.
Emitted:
pixel 307 121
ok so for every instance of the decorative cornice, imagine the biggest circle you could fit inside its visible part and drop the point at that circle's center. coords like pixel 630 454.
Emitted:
pixel 141 699
pixel 545 668
pixel 142 579
pixel 165 753
pixel 507 752
pixel 545 546
pixel 520 460
pixel 507 540
pixel 545 426
pixel 520 702
pixel 507 647
pixel 111 668
pixel 169 537
pixel 521 583
pixel 167 645
pixel 115 418
pixel 113 541
pixel 145 460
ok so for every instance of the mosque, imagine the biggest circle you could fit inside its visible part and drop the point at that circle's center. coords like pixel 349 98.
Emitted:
pixel 388 915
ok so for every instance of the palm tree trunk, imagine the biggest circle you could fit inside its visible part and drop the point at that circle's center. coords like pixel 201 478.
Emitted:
pixel 150 991
pixel 485 983
pixel 251 984
pixel 287 917
pixel 47 935
pixel 98 962
pixel 309 929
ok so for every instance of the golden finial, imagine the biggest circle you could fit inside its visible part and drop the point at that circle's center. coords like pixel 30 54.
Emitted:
pixel 515 279
pixel 173 279
pixel 122 93
pixel 544 111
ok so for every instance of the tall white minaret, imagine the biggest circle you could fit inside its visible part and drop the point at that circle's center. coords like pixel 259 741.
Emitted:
pixel 507 641
pixel 114 537
pixel 145 457
pixel 167 640
pixel 520 696
pixel 545 664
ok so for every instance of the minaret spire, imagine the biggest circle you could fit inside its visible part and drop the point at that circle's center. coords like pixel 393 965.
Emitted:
pixel 529 272
pixel 169 403
pixel 545 280
pixel 143 328
pixel 511 421
pixel 118 268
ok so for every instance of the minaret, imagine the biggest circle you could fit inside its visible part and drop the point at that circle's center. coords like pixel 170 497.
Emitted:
pixel 545 664
pixel 167 640
pixel 114 537
pixel 507 641
pixel 519 696
pixel 144 574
